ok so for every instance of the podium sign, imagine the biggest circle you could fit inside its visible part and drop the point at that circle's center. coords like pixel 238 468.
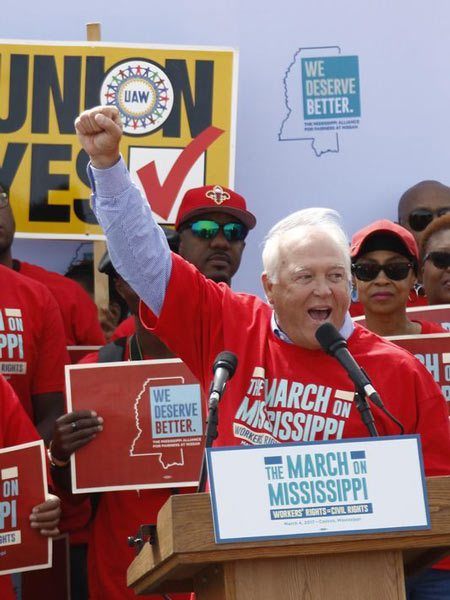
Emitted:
pixel 317 489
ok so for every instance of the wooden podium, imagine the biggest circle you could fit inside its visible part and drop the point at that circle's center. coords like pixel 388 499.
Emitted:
pixel 186 558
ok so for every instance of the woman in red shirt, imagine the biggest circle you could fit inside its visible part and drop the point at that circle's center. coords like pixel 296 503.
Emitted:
pixel 385 261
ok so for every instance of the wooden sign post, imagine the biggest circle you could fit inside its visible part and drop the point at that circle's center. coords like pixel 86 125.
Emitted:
pixel 101 287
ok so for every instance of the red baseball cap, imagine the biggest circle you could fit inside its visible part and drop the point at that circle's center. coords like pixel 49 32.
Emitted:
pixel 386 229
pixel 211 198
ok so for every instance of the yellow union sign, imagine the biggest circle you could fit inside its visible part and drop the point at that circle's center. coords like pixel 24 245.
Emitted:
pixel 178 107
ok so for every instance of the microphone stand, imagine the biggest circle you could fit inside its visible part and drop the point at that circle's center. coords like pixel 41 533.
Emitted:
pixel 364 410
pixel 211 434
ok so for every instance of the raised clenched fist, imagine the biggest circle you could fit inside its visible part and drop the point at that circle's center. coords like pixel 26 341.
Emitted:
pixel 99 130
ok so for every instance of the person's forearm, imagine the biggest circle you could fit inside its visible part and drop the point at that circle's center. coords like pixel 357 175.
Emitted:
pixel 62 478
pixel 137 245
pixel 46 409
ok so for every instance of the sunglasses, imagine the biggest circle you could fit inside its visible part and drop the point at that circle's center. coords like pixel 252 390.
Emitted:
pixel 208 230
pixel 421 217
pixel 369 271
pixel 441 260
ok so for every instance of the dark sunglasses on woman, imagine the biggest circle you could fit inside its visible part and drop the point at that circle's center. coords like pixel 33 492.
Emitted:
pixel 441 260
pixel 207 230
pixel 369 271
pixel 421 217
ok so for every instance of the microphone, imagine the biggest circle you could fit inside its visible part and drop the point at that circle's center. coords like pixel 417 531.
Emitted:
pixel 223 369
pixel 334 344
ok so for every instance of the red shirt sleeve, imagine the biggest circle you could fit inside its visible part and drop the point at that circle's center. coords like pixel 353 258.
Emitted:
pixel 92 357
pixel 85 323
pixel 52 355
pixel 78 310
pixel 124 329
pixel 191 319
pixel 15 425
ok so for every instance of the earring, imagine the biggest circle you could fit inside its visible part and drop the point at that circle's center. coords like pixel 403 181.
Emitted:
pixel 420 290
pixel 354 294
pixel 413 295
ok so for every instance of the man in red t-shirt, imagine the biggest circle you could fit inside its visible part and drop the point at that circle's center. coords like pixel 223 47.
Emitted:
pixel 16 428
pixel 78 310
pixel 32 348
pixel 120 514
pixel 208 234
pixel 285 388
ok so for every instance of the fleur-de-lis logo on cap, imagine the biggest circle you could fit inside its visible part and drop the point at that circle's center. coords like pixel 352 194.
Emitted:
pixel 218 195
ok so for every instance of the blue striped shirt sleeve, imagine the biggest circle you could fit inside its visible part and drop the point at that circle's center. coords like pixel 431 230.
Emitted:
pixel 137 245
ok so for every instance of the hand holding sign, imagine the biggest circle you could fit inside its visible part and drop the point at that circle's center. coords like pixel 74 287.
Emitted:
pixel 74 430
pixel 99 131
pixel 45 516
pixel 154 438
pixel 29 516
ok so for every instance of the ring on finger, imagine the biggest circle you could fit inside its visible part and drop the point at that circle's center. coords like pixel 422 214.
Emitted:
pixel 74 425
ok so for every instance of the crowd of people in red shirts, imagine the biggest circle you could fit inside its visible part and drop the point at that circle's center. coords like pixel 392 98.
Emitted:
pixel 394 266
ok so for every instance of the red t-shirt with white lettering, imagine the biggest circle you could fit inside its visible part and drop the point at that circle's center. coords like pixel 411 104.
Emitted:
pixel 15 428
pixel 78 310
pixel 32 341
pixel 283 393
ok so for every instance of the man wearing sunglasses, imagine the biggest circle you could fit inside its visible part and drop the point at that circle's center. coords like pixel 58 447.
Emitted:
pixel 213 223
pixel 422 203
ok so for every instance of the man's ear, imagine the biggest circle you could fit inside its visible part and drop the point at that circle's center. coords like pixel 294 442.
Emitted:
pixel 268 287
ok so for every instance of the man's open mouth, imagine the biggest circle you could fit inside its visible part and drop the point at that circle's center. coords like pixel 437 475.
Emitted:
pixel 319 314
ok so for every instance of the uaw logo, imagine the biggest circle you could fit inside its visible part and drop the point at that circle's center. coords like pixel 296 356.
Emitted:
pixel 218 195
pixel 142 93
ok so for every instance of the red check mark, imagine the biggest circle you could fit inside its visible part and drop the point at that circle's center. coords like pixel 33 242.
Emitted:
pixel 162 197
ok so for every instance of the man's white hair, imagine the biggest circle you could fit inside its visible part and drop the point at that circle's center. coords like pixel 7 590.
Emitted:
pixel 323 219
